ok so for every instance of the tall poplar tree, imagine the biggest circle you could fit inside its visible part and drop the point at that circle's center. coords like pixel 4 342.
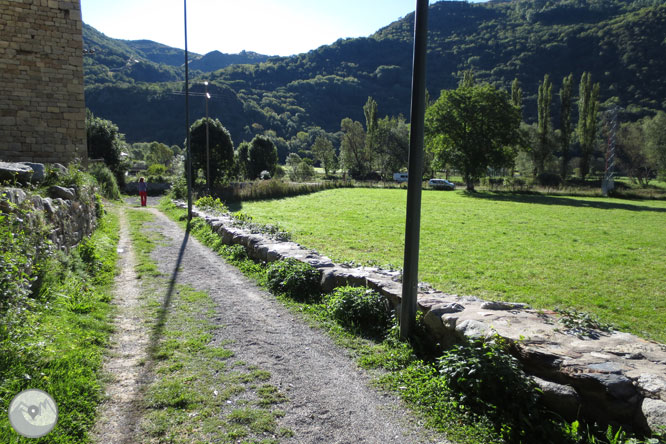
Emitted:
pixel 565 124
pixel 516 95
pixel 588 105
pixel 543 148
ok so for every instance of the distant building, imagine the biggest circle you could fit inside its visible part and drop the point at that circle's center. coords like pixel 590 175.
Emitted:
pixel 42 108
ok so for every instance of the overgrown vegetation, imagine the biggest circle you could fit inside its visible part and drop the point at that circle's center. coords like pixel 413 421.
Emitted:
pixel 475 393
pixel 53 335
pixel 295 279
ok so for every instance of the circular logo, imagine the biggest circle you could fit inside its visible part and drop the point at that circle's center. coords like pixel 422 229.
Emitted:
pixel 33 413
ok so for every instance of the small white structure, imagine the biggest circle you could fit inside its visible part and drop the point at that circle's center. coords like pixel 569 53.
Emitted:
pixel 400 177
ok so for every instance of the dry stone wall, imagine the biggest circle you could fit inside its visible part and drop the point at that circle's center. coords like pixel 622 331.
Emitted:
pixel 42 109
pixel 609 377
pixel 70 213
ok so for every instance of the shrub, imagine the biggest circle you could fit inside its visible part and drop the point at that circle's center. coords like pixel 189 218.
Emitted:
pixel 487 378
pixel 295 279
pixel 236 253
pixel 179 188
pixel 549 180
pixel 212 204
pixel 108 186
pixel 360 310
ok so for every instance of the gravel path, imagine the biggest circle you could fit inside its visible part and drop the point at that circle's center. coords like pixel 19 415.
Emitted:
pixel 331 400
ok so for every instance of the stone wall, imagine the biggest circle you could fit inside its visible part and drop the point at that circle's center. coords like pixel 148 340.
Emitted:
pixel 70 213
pixel 605 376
pixel 42 108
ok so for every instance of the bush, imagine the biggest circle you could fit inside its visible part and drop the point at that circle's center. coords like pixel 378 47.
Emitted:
pixel 295 279
pixel 211 204
pixel 179 189
pixel 361 311
pixel 106 180
pixel 488 379
pixel 549 180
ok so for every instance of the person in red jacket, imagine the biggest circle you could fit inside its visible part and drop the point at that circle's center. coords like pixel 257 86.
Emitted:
pixel 143 191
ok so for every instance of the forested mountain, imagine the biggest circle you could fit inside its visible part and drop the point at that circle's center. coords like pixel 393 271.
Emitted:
pixel 621 43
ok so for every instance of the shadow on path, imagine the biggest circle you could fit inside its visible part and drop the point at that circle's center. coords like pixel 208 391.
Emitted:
pixel 564 201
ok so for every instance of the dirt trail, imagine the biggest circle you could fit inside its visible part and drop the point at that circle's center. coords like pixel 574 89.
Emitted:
pixel 330 399
pixel 117 420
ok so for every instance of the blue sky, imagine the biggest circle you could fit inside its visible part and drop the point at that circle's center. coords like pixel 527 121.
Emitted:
pixel 273 27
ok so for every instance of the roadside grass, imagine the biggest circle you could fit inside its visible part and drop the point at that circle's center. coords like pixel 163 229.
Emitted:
pixel 58 345
pixel 603 256
pixel 198 393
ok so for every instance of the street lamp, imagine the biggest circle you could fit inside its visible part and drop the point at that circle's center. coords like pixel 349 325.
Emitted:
pixel 207 141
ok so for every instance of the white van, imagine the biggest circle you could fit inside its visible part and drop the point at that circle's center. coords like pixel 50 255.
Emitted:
pixel 400 177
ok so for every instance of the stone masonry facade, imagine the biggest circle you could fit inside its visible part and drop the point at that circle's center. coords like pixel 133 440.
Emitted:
pixel 42 108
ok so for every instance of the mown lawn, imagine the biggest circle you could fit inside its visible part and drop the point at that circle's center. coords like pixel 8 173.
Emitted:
pixel 605 256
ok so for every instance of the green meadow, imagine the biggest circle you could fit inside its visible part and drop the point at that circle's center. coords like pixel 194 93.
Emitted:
pixel 603 256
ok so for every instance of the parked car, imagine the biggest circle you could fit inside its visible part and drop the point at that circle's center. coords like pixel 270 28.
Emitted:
pixel 441 184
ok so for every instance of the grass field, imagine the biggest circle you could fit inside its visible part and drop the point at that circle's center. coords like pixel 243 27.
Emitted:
pixel 605 256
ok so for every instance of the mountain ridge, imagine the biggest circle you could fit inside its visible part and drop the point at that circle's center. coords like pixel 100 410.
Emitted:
pixel 500 41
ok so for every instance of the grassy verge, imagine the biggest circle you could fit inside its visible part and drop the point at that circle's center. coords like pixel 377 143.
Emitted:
pixel 199 393
pixel 56 342
pixel 603 256
pixel 473 395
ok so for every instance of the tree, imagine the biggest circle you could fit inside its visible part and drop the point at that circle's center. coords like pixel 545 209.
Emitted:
pixel 392 151
pixel 262 156
pixel 354 156
pixel 105 142
pixel 516 95
pixel 655 142
pixel 631 153
pixel 371 125
pixel 565 124
pixel 588 105
pixel 242 159
pixel 472 127
pixel 543 148
pixel 292 162
pixel 220 146
pixel 324 151
pixel 159 153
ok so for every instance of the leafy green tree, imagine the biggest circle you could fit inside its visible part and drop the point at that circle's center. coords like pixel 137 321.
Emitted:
pixel 543 148
pixel 371 125
pixel 262 156
pixel 392 151
pixel 220 146
pixel 242 159
pixel 324 151
pixel 565 124
pixel 631 152
pixel 516 94
pixel 354 156
pixel 588 105
pixel 105 142
pixel 292 162
pixel 159 153
pixel 471 127
pixel 655 138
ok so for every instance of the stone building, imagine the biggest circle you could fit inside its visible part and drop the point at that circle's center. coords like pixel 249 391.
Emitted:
pixel 42 108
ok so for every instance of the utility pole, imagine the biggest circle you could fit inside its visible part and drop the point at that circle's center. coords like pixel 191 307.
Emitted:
pixel 410 275
pixel 187 123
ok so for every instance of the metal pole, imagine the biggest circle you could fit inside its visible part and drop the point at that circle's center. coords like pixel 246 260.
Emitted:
pixel 187 123
pixel 207 143
pixel 410 277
